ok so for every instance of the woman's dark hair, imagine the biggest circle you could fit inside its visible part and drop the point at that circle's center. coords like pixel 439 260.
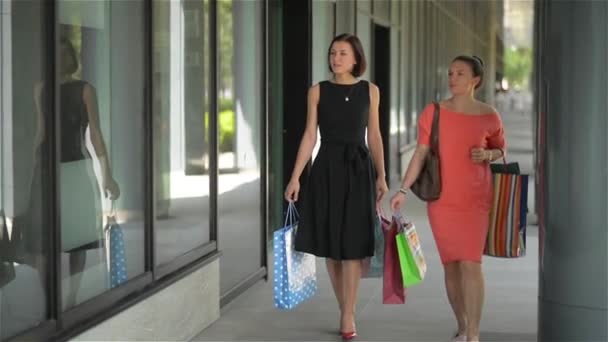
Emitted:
pixel 72 55
pixel 476 65
pixel 355 43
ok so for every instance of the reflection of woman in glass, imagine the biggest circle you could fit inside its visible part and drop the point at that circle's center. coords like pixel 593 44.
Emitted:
pixel 81 222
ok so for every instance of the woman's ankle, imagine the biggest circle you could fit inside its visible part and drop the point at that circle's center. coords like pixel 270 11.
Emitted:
pixel 462 326
pixel 472 336
pixel 347 321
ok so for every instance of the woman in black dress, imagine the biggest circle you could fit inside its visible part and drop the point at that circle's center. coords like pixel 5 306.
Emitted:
pixel 346 181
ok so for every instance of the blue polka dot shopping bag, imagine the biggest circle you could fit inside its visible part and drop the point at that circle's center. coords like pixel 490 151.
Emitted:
pixel 117 260
pixel 295 277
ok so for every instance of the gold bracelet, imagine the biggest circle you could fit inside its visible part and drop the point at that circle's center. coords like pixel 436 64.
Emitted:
pixel 403 191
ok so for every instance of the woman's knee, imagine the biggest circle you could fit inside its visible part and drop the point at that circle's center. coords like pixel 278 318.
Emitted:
pixel 333 262
pixel 452 268
pixel 470 268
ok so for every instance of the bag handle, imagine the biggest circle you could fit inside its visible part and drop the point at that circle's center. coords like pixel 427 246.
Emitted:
pixel 402 223
pixel 504 158
pixel 113 214
pixel 435 128
pixel 292 214
pixel 379 212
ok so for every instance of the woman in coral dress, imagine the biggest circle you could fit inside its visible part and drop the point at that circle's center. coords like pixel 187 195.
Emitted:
pixel 470 137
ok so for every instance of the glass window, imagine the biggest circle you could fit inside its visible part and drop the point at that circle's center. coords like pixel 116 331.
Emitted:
pixel 240 153
pixel 181 127
pixel 101 103
pixel 24 177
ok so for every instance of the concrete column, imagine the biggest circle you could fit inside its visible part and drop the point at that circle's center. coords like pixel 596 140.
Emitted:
pixel 195 105
pixel 247 72
pixel 490 62
pixel 6 119
pixel 126 142
pixel 573 181
pixel 322 35
pixel 161 103
pixel 345 17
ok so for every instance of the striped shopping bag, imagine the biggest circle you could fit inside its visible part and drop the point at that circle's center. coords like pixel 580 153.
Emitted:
pixel 507 230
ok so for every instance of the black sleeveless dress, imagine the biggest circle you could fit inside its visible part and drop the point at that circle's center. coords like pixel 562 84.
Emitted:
pixel 338 201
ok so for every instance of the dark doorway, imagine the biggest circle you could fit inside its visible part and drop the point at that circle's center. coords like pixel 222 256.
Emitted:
pixel 382 78
pixel 296 79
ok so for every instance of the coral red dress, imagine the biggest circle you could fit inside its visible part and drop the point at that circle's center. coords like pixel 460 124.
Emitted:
pixel 460 217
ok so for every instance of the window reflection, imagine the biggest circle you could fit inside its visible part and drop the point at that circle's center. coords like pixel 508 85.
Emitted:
pixel 181 127
pixel 81 222
pixel 240 106
pixel 24 166
pixel 100 113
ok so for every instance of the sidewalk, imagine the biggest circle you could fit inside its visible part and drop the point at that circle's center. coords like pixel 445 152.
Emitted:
pixel 510 311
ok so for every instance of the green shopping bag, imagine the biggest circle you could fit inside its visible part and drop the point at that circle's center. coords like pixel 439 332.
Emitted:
pixel 411 259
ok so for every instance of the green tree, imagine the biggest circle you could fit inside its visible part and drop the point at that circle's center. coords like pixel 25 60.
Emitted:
pixel 226 44
pixel 518 66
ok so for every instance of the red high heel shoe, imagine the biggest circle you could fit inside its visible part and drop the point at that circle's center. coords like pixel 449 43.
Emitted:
pixel 347 336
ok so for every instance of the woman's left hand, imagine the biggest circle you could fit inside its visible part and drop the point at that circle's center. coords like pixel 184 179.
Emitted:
pixel 381 188
pixel 480 155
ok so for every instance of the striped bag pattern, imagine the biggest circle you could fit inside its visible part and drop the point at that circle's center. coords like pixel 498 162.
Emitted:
pixel 507 230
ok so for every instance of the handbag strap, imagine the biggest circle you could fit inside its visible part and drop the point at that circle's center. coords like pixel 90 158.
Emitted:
pixel 435 129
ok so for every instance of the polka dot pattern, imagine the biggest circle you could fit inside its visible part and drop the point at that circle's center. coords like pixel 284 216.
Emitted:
pixel 295 278
pixel 118 260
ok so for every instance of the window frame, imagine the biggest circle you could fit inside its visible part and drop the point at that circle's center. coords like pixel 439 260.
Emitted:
pixel 63 325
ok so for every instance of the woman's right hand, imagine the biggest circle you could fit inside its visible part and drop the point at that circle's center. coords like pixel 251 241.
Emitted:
pixel 397 201
pixel 111 188
pixel 292 191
